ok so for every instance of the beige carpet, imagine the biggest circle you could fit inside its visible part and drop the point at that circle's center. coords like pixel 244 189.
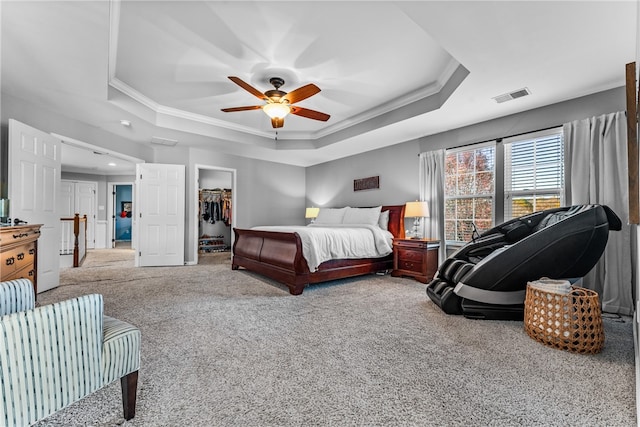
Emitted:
pixel 229 348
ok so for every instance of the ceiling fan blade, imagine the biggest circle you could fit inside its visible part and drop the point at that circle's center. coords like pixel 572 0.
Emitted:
pixel 246 86
pixel 277 122
pixel 301 93
pixel 253 107
pixel 310 114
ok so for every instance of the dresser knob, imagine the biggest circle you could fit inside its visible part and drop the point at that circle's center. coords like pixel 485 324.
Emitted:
pixel 31 273
pixel 21 256
pixel 10 261
pixel 32 251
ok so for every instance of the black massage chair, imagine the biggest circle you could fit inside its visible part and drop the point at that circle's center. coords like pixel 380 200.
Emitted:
pixel 487 278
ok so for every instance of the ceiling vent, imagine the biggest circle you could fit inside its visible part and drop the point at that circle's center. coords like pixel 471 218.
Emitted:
pixel 164 141
pixel 512 95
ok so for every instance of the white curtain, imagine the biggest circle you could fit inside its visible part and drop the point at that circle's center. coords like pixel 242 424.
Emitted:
pixel 596 172
pixel 432 191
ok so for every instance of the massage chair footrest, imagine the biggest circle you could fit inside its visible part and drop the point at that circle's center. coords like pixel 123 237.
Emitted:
pixel 479 310
pixel 441 293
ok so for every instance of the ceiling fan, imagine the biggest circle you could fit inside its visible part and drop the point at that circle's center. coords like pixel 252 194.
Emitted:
pixel 280 103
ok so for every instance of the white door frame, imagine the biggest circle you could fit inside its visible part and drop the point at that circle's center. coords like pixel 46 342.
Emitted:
pixel 196 203
pixel 111 211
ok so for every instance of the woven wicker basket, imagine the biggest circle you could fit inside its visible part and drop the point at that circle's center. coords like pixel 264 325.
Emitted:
pixel 571 322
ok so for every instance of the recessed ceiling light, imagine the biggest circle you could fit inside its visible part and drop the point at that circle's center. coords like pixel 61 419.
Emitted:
pixel 112 164
pixel 126 123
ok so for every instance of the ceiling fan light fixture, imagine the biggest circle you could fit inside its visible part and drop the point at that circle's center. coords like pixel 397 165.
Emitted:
pixel 276 110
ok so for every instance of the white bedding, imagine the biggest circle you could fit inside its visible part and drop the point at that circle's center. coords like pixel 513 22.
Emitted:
pixel 321 243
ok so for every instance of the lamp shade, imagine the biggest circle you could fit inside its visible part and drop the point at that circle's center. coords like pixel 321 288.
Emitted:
pixel 416 210
pixel 311 212
pixel 4 208
pixel 276 110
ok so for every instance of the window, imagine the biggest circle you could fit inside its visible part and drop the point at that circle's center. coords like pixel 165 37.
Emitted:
pixel 533 173
pixel 469 191
pixel 530 166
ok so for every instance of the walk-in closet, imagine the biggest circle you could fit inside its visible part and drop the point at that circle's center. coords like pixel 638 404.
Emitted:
pixel 214 212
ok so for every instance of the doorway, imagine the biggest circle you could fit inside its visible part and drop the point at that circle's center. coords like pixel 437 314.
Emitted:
pixel 121 215
pixel 215 198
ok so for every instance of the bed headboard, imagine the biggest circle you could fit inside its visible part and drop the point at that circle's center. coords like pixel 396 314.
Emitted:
pixel 396 220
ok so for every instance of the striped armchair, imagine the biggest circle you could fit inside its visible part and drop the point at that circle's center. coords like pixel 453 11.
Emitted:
pixel 54 355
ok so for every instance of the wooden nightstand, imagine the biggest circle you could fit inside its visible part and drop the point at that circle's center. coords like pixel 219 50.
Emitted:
pixel 417 258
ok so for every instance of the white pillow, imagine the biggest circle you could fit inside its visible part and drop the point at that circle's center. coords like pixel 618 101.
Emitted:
pixel 330 216
pixel 362 215
pixel 383 220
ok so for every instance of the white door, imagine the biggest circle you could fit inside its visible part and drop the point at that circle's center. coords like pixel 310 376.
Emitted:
pixel 67 199
pixel 85 204
pixel 79 197
pixel 159 208
pixel 34 189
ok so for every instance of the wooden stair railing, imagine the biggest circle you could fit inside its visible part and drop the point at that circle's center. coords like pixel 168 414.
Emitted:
pixel 79 238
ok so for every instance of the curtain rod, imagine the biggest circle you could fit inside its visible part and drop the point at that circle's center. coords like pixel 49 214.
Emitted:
pixel 504 137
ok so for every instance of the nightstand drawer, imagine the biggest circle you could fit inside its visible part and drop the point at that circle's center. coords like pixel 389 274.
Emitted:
pixel 406 255
pixel 412 244
pixel 410 265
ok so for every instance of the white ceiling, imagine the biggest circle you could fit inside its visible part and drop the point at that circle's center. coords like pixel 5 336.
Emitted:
pixel 389 71
pixel 80 157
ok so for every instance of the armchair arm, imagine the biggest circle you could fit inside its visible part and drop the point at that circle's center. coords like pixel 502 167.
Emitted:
pixel 50 357
pixel 16 295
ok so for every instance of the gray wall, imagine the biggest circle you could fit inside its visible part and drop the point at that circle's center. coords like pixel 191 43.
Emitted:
pixel 266 193
pixel 553 115
pixel 331 184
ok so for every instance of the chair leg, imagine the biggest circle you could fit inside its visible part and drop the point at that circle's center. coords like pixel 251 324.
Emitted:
pixel 129 385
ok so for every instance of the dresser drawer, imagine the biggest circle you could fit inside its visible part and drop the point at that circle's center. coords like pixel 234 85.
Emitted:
pixel 8 262
pixel 14 236
pixel 26 273
pixel 18 253
pixel 17 258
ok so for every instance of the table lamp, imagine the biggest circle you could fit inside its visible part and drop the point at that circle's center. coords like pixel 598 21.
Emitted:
pixel 416 210
pixel 311 213
pixel 4 211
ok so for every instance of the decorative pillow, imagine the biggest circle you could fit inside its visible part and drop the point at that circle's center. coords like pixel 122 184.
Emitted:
pixel 330 216
pixel 383 220
pixel 362 215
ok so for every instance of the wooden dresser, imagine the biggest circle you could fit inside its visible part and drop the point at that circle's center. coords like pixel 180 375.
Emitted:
pixel 19 253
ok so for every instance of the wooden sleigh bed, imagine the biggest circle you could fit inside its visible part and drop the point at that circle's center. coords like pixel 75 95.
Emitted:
pixel 278 256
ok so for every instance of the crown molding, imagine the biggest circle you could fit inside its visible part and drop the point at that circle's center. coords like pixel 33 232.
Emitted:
pixel 316 136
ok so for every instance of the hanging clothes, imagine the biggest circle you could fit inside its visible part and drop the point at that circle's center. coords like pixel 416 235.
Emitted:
pixel 215 205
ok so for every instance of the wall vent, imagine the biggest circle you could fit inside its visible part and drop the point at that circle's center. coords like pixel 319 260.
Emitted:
pixel 164 141
pixel 512 95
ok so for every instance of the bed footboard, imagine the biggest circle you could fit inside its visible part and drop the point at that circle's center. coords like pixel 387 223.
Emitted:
pixel 272 254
